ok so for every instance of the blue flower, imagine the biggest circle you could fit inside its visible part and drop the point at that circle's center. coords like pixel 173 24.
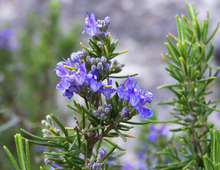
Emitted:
pixel 107 91
pixel 136 97
pixel 91 25
pixel 56 166
pixel 80 75
pixel 128 166
pixel 68 94
pixel 72 79
pixel 152 135
pixel 164 131
pixel 5 36
pixel 125 112
pixel 94 85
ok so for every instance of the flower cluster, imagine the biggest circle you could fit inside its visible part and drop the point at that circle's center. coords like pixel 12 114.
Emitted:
pixel 103 111
pixel 51 130
pixel 137 98
pixel 96 28
pixel 98 165
pixel 83 73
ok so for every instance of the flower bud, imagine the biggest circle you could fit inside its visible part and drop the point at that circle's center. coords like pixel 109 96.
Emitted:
pixel 109 106
pixel 101 153
pixel 92 61
pixel 80 54
pixel 124 112
pixel 100 109
pixel 107 67
pixel 88 96
pixel 98 60
pixel 103 116
pixel 95 166
pixel 85 53
pixel 88 58
pixel 93 68
pixel 96 113
pixel 58 132
pixel 100 66
pixel 43 122
pixel 103 59
pixel 117 67
pixel 115 62
pixel 149 97
pixel 74 57
pixel 122 65
pixel 107 21
pixel 49 120
pixel 103 35
pixel 107 110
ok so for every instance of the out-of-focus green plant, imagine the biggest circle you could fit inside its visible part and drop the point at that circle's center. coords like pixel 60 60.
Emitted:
pixel 27 80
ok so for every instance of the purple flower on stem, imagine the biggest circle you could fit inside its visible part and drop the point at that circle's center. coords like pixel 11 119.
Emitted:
pixel 152 135
pixel 136 97
pixel 72 78
pixel 94 85
pixel 107 91
pixel 68 94
pixel 91 25
pixel 125 112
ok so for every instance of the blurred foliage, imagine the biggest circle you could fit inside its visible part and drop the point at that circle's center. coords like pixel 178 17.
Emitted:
pixel 27 80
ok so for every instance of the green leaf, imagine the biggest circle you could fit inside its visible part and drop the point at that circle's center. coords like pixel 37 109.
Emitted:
pixel 90 114
pixel 13 161
pixel 28 155
pixel 20 151
pixel 95 128
pixel 131 75
pixel 113 144
pixel 34 136
pixel 95 47
pixel 213 34
pixel 78 136
pixel 60 125
pixel 120 134
pixel 109 153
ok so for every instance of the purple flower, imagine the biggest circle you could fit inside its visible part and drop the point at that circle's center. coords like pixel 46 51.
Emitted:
pixel 107 91
pixel 124 112
pixel 72 79
pixel 94 85
pixel 164 131
pixel 68 94
pixel 136 97
pixel 5 35
pixel 91 25
pixel 128 166
pixel 101 152
pixel 142 165
pixel 56 166
pixel 80 75
pixel 152 135
pixel 141 154
pixel 63 84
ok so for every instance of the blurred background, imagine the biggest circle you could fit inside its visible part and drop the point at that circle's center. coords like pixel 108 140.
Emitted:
pixel 36 34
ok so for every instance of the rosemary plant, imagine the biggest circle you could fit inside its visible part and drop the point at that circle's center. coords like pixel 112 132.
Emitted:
pixel 108 106
pixel 190 58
